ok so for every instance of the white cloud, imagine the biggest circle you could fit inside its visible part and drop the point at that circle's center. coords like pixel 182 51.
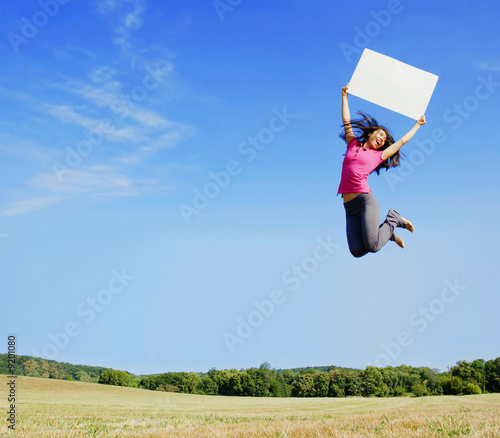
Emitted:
pixel 25 150
pixel 147 130
pixel 106 7
pixel 168 140
pixel 130 159
pixel 485 66
pixel 110 95
pixel 94 181
pixel 128 12
pixel 68 114
pixel 134 19
pixel 125 16
pixel 19 207
pixel 102 73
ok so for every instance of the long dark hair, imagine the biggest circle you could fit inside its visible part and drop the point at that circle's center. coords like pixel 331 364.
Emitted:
pixel 363 128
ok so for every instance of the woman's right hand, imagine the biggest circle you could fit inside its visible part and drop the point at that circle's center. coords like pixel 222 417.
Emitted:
pixel 345 91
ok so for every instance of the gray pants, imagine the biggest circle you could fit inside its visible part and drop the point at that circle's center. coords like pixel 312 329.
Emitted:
pixel 364 234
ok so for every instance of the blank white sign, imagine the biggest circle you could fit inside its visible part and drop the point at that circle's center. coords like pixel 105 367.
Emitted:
pixel 392 84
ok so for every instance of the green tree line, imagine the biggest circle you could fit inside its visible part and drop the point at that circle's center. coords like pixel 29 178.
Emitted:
pixel 465 378
pixel 474 377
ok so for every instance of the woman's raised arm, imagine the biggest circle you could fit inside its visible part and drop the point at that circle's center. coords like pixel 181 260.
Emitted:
pixel 346 115
pixel 393 148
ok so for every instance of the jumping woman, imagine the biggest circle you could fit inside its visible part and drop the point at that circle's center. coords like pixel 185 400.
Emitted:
pixel 371 149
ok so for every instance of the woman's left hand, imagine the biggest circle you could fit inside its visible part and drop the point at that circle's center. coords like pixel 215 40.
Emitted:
pixel 421 121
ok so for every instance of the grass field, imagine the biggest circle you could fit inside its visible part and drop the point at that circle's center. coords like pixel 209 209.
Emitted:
pixel 53 408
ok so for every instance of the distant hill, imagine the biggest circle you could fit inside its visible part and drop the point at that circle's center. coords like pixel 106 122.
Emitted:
pixel 322 368
pixel 38 367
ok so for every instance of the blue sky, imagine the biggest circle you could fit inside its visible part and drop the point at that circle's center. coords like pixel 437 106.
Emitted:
pixel 169 179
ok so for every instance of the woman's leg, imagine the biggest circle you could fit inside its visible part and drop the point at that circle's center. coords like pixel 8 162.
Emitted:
pixel 354 227
pixel 376 235
pixel 355 235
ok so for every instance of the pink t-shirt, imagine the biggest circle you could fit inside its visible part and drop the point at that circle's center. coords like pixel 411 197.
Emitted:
pixel 358 164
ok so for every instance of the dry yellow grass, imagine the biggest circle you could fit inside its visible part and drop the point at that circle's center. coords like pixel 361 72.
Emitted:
pixel 51 408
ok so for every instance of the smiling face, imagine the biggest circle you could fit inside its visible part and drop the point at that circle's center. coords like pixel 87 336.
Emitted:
pixel 376 139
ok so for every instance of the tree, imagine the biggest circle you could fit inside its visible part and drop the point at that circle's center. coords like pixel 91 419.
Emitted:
pixel 429 378
pixel 303 386
pixel 479 373
pixel 471 388
pixel 462 370
pixel 321 384
pixel 471 373
pixel 409 377
pixel 115 377
pixel 262 380
pixel 419 390
pixel 208 386
pixel 44 368
pixel 30 366
pixel 216 376
pixel 337 383
pixel 279 387
pixel 450 385
pixel 393 378
pixel 248 383
pixel 224 385
pixel 289 377
pixel 147 383
pixel 352 383
pixel 56 372
pixel 234 384
pixel 192 383
pixel 492 371
pixel 372 383
pixel 82 376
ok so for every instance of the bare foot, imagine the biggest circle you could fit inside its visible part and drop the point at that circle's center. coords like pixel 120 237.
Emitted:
pixel 408 225
pixel 399 241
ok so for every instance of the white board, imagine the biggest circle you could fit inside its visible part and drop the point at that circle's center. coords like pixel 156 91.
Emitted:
pixel 392 84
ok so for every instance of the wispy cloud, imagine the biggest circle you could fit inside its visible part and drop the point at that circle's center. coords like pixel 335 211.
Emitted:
pixel 147 130
pixel 128 96
pixel 102 73
pixel 97 182
pixel 134 18
pixel 19 207
pixel 106 7
pixel 125 16
pixel 24 150
pixel 168 140
pixel 111 96
pixel 68 114
pixel 93 181
pixel 487 66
